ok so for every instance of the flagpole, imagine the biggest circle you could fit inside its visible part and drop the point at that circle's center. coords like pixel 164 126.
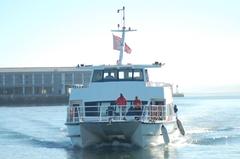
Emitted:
pixel 123 30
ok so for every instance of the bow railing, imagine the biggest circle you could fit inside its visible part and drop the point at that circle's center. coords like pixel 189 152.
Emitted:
pixel 103 113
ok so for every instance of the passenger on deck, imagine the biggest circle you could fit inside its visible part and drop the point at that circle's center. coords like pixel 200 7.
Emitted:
pixel 122 102
pixel 137 106
pixel 110 110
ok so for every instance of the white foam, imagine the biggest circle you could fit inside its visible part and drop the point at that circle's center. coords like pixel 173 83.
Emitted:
pixel 198 130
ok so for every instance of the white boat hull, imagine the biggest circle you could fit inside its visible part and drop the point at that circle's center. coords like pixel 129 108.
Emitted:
pixel 85 134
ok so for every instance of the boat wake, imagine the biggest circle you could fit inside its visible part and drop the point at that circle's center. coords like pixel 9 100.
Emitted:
pixel 216 140
pixel 214 136
pixel 15 137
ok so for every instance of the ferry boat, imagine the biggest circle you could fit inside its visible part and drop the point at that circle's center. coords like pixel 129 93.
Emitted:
pixel 94 115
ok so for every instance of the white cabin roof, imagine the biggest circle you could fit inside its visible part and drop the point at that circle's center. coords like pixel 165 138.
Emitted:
pixel 137 66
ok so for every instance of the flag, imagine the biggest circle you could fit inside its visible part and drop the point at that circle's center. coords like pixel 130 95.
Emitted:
pixel 127 49
pixel 117 42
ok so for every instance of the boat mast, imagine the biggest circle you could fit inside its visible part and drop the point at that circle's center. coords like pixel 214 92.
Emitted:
pixel 123 31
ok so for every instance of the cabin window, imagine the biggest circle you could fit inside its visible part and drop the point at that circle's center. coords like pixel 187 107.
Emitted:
pixel 97 76
pixel 129 74
pixel 122 74
pixel 110 74
pixel 137 74
pixel 91 109
pixel 125 74
pixel 157 103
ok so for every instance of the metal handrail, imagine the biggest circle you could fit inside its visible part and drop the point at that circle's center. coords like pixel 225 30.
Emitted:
pixel 115 112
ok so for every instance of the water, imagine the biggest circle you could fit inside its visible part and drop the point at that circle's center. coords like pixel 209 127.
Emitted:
pixel 211 123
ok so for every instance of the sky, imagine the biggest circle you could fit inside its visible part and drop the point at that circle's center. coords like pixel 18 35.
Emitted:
pixel 199 41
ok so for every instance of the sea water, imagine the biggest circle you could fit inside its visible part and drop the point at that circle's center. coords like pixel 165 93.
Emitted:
pixel 212 125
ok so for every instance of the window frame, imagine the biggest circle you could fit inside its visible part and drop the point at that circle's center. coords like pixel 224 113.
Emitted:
pixel 116 72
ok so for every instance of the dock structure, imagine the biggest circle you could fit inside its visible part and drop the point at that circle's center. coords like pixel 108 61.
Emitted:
pixel 40 85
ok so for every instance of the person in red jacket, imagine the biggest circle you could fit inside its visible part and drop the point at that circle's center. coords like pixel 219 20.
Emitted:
pixel 137 106
pixel 122 102
pixel 137 103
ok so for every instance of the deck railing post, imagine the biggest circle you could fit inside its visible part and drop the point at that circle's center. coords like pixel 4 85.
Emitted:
pixel 100 113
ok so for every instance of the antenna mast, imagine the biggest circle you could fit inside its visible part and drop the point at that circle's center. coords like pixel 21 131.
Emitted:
pixel 123 31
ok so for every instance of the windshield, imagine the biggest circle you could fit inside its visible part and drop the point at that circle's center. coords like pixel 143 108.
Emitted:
pixel 122 74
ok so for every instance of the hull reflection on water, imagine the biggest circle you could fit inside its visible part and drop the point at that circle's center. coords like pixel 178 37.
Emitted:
pixel 123 152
